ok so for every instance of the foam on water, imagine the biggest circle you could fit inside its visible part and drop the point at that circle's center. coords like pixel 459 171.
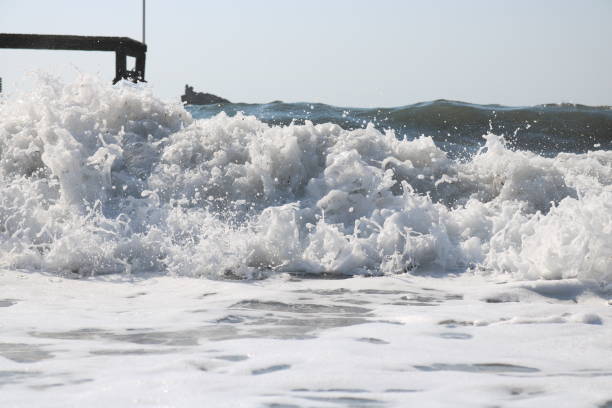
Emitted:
pixel 101 179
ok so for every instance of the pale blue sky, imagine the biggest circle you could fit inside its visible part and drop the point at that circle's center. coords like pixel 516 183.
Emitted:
pixel 341 52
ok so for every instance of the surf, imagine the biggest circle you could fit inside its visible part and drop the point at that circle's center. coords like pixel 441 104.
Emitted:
pixel 100 179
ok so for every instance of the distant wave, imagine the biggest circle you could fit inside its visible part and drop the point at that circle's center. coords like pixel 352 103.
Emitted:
pixel 547 129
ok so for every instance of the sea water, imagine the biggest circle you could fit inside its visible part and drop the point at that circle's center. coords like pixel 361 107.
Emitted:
pixel 289 255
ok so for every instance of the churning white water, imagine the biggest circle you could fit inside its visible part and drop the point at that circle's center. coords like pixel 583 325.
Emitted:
pixel 99 179
pixel 492 272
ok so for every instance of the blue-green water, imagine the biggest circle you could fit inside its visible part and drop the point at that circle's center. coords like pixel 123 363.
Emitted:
pixel 455 126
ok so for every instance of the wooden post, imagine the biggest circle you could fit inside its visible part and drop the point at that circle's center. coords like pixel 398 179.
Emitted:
pixel 140 67
pixel 120 66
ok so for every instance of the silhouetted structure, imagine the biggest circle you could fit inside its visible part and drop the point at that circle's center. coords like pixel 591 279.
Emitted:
pixel 121 46
pixel 199 98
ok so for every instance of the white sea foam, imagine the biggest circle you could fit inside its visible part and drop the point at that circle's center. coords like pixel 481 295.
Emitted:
pixel 101 179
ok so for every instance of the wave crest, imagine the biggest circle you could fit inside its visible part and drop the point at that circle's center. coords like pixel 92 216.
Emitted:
pixel 100 179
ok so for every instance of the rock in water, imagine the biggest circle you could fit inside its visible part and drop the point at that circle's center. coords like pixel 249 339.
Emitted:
pixel 199 98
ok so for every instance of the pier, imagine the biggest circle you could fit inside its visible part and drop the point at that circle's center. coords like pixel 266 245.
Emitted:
pixel 123 47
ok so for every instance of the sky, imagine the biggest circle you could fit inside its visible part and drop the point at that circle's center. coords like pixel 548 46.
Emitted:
pixel 341 52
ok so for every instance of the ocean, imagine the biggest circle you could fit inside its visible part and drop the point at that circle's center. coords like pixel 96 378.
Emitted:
pixel 300 254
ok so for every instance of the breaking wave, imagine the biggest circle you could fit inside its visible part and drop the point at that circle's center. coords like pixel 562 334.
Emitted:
pixel 99 179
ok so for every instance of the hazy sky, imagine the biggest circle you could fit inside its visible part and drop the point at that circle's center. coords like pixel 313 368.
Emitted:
pixel 341 52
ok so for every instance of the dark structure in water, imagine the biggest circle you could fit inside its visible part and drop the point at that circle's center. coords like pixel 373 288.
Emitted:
pixel 199 98
pixel 122 47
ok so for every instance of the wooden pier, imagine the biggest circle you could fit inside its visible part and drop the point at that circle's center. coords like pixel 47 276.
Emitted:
pixel 123 47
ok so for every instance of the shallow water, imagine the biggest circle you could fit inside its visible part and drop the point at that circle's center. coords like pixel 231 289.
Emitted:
pixel 301 343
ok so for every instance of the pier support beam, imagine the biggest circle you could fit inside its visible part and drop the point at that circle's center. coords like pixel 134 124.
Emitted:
pixel 120 66
pixel 122 46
